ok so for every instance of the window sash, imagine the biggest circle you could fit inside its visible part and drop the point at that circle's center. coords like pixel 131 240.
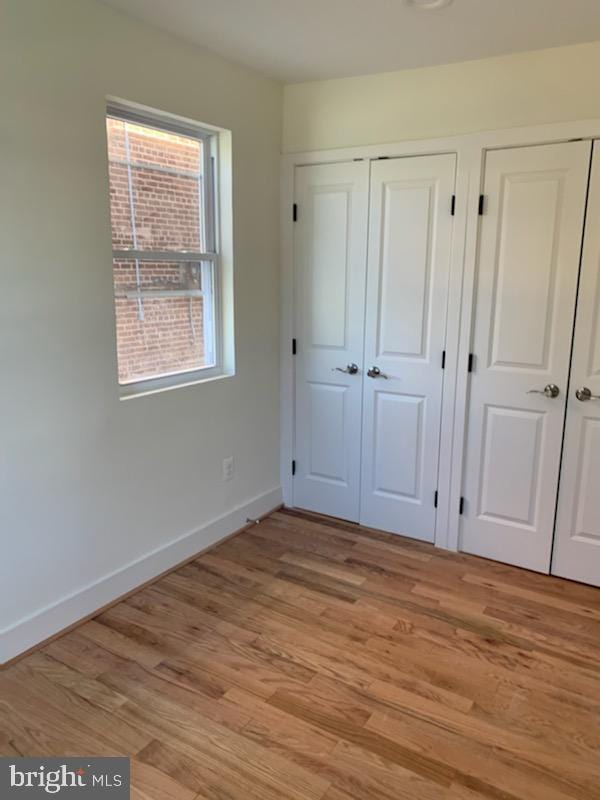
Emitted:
pixel 210 325
pixel 206 181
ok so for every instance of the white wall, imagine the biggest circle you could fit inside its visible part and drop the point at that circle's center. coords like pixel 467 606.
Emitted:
pixel 88 483
pixel 556 85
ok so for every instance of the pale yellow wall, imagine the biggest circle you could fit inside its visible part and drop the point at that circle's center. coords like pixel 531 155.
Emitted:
pixel 90 484
pixel 554 85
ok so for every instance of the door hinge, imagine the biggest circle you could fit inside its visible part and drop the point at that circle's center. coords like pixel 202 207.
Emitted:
pixel 293 467
pixel 295 212
pixel 461 506
pixel 294 347
pixel 453 205
pixel 443 359
pixel 470 362
pixel 481 204
pixel 382 158
pixel 435 499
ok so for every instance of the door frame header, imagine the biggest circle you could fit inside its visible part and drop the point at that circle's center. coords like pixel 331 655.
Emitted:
pixel 482 140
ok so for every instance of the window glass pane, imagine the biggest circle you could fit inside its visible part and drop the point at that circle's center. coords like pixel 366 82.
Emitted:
pixel 156 180
pixel 164 316
pixel 120 198
pixel 120 208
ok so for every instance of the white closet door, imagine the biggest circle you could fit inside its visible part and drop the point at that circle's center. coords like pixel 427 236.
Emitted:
pixel 410 237
pixel 529 252
pixel 577 537
pixel 330 262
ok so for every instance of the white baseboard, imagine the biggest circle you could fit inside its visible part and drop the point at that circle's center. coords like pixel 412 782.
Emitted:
pixel 50 620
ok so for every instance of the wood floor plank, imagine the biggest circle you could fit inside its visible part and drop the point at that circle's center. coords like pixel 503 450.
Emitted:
pixel 489 770
pixel 223 779
pixel 220 752
pixel 323 566
pixel 149 783
pixel 81 654
pixel 42 719
pixel 153 686
pixel 84 687
pixel 118 644
pixel 312 659
pixel 269 724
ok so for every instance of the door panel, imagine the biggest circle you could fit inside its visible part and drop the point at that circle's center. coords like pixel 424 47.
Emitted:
pixel 524 292
pixel 328 410
pixel 330 261
pixel 577 539
pixel 326 275
pixel 529 251
pixel 410 237
pixel 404 270
pixel 398 444
pixel 508 488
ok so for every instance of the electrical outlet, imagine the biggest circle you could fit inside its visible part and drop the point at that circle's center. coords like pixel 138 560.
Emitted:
pixel 228 468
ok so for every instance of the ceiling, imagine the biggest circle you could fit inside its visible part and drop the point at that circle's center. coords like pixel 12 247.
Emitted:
pixel 298 40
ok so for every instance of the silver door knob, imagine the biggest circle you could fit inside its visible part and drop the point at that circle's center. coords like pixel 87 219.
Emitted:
pixel 584 394
pixel 350 369
pixel 375 372
pixel 550 390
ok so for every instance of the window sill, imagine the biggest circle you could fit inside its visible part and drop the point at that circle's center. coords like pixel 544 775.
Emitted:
pixel 160 385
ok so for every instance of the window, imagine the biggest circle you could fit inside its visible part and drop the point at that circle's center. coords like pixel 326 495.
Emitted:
pixel 164 238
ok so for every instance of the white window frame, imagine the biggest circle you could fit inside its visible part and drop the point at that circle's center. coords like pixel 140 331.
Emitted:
pixel 211 278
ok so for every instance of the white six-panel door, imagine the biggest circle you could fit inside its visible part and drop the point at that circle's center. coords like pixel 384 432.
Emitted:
pixel 529 253
pixel 577 538
pixel 410 235
pixel 330 240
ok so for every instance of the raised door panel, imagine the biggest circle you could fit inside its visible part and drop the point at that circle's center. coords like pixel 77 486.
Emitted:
pixel 405 269
pixel 592 369
pixel 328 455
pixel 509 487
pixel 330 241
pixel 526 284
pixel 327 268
pixel 525 270
pixel 586 521
pixel 398 461
pixel 577 539
pixel 410 242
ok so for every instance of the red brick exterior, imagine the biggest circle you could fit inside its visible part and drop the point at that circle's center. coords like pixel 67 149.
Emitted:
pixel 169 337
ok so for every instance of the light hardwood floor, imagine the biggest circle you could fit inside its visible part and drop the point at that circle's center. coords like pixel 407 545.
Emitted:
pixel 308 658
